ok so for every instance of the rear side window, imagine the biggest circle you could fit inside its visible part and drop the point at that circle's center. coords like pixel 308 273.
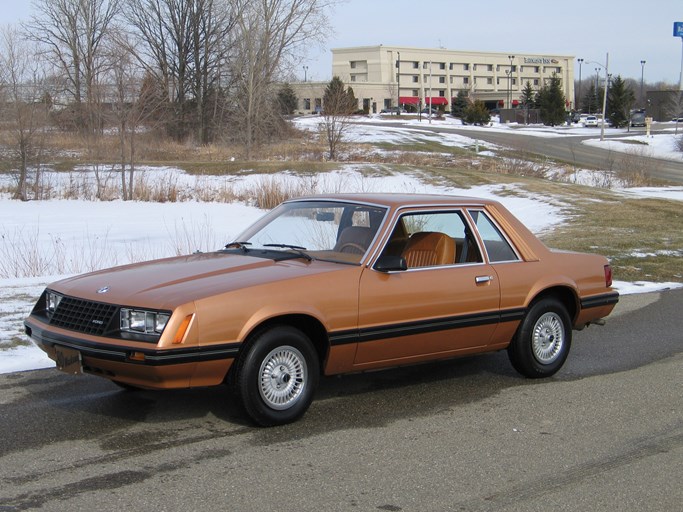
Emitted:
pixel 497 246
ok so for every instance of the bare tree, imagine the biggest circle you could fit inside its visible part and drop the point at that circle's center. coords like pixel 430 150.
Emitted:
pixel 269 35
pixel 184 45
pixel 73 33
pixel 137 102
pixel 338 105
pixel 25 104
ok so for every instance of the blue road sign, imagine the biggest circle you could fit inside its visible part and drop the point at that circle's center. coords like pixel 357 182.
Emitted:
pixel 678 28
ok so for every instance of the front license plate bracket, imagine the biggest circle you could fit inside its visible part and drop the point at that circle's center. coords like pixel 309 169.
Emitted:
pixel 68 360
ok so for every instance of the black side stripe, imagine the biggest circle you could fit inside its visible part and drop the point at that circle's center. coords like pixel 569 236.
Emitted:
pixel 600 300
pixel 424 326
pixel 153 357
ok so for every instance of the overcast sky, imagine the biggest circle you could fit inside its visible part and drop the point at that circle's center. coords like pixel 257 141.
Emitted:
pixel 629 30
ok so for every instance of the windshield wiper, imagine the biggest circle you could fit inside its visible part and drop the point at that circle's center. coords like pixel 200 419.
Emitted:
pixel 296 248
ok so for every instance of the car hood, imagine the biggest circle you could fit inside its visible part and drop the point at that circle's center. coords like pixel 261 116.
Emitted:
pixel 167 283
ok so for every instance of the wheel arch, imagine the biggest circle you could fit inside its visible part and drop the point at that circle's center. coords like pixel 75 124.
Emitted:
pixel 309 325
pixel 565 294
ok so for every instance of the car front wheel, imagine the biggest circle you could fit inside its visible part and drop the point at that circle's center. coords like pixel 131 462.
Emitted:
pixel 277 376
pixel 541 345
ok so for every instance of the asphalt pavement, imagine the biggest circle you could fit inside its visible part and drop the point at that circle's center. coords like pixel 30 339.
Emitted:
pixel 569 149
pixel 604 434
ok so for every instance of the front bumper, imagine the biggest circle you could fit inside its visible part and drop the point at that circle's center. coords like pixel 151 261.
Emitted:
pixel 140 366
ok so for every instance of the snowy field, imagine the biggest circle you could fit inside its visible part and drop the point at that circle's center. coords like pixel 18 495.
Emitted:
pixel 63 237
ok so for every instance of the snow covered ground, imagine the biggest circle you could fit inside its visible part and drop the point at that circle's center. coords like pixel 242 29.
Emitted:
pixel 63 237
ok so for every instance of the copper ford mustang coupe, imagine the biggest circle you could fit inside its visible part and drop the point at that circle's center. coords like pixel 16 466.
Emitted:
pixel 328 285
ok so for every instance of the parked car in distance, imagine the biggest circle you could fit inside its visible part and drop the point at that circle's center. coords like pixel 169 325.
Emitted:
pixel 328 285
pixel 393 110
pixel 638 119
pixel 590 121
pixel 434 111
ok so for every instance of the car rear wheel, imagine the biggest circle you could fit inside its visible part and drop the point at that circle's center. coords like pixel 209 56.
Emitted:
pixel 277 376
pixel 541 345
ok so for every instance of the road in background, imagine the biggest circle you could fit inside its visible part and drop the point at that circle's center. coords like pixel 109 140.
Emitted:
pixel 604 434
pixel 567 148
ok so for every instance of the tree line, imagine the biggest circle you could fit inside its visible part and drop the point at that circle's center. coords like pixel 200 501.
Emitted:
pixel 202 71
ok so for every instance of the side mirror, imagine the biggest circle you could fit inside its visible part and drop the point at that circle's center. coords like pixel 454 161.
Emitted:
pixel 391 263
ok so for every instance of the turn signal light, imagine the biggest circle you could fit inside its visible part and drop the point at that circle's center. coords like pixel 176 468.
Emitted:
pixel 182 330
pixel 136 356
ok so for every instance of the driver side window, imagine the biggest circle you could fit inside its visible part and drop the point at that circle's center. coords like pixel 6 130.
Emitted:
pixel 433 239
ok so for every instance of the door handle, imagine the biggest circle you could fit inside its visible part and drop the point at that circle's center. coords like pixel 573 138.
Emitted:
pixel 482 279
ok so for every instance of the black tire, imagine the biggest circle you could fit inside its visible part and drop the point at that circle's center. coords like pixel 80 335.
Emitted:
pixel 541 345
pixel 277 376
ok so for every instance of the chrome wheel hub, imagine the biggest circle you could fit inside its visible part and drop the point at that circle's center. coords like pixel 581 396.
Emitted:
pixel 282 375
pixel 548 338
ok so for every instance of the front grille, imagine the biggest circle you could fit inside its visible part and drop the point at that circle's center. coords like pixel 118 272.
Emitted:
pixel 83 316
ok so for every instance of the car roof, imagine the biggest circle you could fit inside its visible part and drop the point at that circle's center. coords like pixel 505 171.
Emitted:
pixel 396 200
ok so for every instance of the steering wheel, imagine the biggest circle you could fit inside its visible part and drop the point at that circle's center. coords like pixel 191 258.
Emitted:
pixel 357 247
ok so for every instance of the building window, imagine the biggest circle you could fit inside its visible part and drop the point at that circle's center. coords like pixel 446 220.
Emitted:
pixel 353 64
pixel 489 81
pixel 415 93
pixel 535 81
pixel 442 93
pixel 416 79
pixel 466 67
pixel 450 66
pixel 442 65
pixel 442 79
pixel 353 78
pixel 497 81
pixel 537 69
pixel 307 103
pixel 514 81
pixel 474 68
pixel 497 67
pixel 466 80
pixel 489 67
pixel 514 69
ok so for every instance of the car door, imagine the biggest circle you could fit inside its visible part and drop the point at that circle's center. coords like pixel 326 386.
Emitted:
pixel 434 308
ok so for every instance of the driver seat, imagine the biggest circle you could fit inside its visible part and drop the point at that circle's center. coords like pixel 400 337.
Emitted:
pixel 352 239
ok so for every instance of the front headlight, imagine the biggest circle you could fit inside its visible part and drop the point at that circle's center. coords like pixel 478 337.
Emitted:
pixel 52 300
pixel 144 322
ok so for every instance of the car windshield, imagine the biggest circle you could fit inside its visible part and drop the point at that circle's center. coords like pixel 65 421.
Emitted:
pixel 325 230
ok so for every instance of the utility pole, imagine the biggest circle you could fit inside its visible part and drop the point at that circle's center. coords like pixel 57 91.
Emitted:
pixel 604 99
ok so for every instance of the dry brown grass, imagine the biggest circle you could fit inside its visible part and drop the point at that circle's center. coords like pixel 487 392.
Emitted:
pixel 642 237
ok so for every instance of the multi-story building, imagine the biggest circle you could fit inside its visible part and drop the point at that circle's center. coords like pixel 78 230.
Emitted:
pixel 384 76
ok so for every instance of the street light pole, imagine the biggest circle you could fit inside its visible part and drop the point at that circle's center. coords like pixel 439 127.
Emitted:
pixel 430 92
pixel 398 84
pixel 642 76
pixel 578 99
pixel 511 57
